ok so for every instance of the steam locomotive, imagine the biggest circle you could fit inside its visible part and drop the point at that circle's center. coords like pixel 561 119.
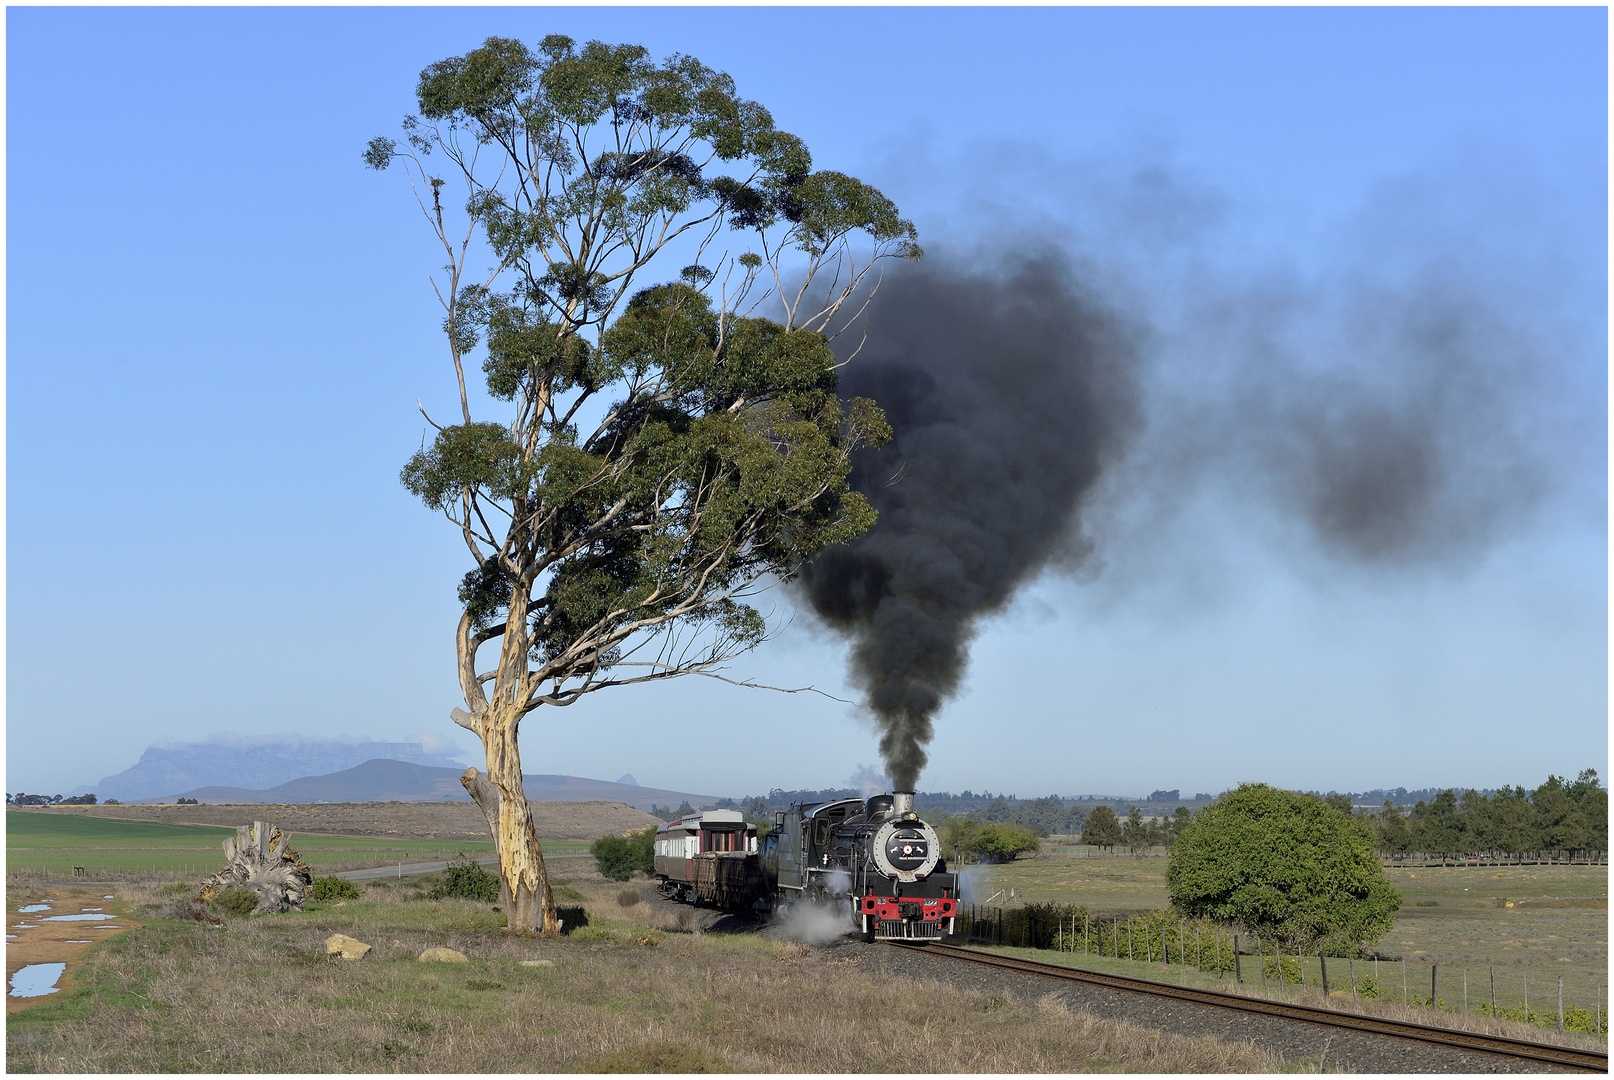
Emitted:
pixel 875 858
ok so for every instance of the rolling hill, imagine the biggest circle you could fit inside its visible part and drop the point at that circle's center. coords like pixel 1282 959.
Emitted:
pixel 383 780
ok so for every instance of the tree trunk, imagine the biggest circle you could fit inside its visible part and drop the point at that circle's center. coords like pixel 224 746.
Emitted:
pixel 524 882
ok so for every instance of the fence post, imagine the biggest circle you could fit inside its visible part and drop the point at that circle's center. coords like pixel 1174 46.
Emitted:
pixel 1351 963
pixel 1261 951
pixel 1433 969
pixel 1560 1004
pixel 1322 962
pixel 1493 991
pixel 1238 970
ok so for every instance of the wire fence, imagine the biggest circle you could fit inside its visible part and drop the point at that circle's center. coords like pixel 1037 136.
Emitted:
pixel 1206 948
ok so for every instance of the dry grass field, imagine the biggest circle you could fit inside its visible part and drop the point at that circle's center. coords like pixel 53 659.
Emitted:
pixel 1530 923
pixel 617 995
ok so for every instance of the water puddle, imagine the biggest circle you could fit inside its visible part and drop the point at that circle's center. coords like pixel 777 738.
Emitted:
pixel 79 941
pixel 108 896
pixel 89 909
pixel 36 980
pixel 25 925
pixel 76 918
pixel 41 907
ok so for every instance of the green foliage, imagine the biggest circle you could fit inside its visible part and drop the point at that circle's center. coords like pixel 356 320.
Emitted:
pixel 1102 828
pixel 967 840
pixel 237 901
pixel 1284 864
pixel 720 457
pixel 1592 1022
pixel 333 888
pixel 466 879
pixel 620 857
pixel 1559 815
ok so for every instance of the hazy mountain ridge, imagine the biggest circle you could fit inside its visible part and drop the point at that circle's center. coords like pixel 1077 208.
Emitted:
pixel 382 780
pixel 164 770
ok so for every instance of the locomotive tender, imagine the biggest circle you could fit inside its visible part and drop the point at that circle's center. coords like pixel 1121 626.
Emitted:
pixel 876 858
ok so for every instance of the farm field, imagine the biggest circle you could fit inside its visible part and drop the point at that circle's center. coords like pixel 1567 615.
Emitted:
pixel 53 845
pixel 449 822
pixel 1531 923
pixel 621 994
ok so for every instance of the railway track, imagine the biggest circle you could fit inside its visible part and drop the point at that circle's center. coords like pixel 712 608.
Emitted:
pixel 1517 1049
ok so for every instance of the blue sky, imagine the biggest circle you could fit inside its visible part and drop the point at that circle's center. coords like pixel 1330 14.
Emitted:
pixel 218 324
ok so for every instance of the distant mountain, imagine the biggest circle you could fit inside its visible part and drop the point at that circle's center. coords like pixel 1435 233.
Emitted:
pixel 385 781
pixel 627 778
pixel 163 770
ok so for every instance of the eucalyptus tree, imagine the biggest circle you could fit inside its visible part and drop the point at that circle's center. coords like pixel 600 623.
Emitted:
pixel 661 452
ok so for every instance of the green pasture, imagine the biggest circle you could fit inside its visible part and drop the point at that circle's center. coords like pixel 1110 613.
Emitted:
pixel 55 845
pixel 1528 924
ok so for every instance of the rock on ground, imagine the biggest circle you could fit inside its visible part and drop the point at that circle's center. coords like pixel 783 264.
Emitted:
pixel 444 956
pixel 349 948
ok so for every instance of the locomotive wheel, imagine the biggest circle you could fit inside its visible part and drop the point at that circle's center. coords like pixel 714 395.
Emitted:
pixel 867 936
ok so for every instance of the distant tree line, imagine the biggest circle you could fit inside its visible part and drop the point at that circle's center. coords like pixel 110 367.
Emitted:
pixel 24 799
pixel 1559 815
pixel 1105 829
pixel 1044 817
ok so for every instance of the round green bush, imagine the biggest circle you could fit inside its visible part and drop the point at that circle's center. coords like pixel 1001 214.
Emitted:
pixel 1286 865
pixel 467 880
pixel 332 888
pixel 237 901
pixel 620 857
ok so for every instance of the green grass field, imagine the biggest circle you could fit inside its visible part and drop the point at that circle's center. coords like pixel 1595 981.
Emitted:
pixel 55 845
pixel 1530 924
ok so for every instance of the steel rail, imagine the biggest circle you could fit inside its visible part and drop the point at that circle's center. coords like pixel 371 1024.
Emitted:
pixel 1452 1038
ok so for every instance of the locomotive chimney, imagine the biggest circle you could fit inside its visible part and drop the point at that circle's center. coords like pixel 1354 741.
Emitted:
pixel 902 804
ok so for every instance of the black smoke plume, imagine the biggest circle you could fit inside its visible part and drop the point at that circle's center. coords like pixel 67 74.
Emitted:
pixel 1009 393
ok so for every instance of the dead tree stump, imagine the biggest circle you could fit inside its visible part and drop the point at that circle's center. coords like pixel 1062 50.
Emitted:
pixel 259 858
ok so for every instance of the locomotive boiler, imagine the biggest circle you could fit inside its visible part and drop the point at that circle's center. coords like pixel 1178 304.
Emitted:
pixel 875 859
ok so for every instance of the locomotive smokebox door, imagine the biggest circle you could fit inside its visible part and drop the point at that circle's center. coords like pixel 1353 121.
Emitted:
pixel 906 850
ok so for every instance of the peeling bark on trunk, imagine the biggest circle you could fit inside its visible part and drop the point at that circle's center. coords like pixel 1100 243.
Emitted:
pixel 523 881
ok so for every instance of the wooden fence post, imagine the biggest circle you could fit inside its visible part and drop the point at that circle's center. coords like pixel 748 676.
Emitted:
pixel 1560 1004
pixel 1322 962
pixel 1493 991
pixel 1238 970
pixel 1433 969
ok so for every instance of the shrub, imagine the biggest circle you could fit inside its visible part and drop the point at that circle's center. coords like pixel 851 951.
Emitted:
pixel 1003 842
pixel 1284 864
pixel 628 898
pixel 237 901
pixel 993 841
pixel 467 880
pixel 333 888
pixel 620 857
